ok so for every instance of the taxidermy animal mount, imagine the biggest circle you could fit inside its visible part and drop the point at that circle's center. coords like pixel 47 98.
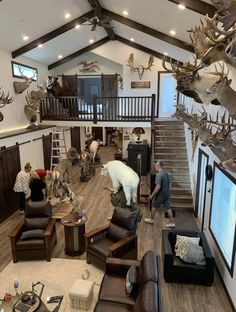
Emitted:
pixel 89 67
pixel 4 100
pixel 21 86
pixel 140 69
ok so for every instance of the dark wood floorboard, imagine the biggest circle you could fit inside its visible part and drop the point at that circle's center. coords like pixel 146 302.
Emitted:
pixel 176 297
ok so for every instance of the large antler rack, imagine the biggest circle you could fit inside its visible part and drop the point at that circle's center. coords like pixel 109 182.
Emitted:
pixel 4 100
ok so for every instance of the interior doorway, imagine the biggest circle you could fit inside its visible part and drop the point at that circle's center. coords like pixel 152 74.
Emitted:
pixel 203 159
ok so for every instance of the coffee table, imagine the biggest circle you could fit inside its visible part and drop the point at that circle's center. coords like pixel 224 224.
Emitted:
pixel 49 289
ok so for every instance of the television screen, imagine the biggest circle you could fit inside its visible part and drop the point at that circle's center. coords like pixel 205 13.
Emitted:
pixel 223 214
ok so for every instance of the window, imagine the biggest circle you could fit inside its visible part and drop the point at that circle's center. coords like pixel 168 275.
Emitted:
pixel 23 71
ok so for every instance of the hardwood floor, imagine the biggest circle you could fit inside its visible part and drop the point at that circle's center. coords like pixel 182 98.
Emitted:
pixel 176 297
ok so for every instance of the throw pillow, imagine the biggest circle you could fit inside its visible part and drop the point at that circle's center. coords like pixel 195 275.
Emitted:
pixel 193 253
pixel 131 281
pixel 182 241
pixel 32 234
pixel 116 233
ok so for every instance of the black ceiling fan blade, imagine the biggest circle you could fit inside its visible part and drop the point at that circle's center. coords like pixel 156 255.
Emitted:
pixel 86 19
pixel 93 27
pixel 107 26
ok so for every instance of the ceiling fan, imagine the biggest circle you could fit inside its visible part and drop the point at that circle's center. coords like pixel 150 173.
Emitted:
pixel 96 21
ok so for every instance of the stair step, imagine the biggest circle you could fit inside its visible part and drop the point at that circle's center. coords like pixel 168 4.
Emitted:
pixel 171 121
pixel 180 191
pixel 175 162
pixel 169 132
pixel 169 138
pixel 169 127
pixel 181 207
pixel 170 156
pixel 169 144
pixel 180 184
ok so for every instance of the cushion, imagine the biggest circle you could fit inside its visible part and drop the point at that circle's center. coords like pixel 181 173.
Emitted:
pixel 32 234
pixel 131 281
pixel 148 298
pixel 184 241
pixel 36 223
pixel 125 218
pixel 116 233
pixel 188 249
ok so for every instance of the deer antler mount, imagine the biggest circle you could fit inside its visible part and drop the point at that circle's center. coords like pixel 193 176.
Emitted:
pixel 140 69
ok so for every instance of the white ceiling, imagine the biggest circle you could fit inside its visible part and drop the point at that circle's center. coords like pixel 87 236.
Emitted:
pixel 37 18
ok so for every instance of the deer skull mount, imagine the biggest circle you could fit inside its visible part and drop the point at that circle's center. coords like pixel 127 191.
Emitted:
pixel 140 69
pixel 21 86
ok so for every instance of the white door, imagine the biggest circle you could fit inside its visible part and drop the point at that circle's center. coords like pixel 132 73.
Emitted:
pixel 167 94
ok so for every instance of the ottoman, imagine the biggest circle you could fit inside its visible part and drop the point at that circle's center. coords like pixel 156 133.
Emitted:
pixel 81 294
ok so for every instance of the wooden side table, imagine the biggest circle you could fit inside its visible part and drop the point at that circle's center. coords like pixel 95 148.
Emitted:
pixel 74 235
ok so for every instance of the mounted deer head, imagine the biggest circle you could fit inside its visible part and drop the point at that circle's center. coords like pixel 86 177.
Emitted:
pixel 228 9
pixel 140 69
pixel 54 87
pixel 21 86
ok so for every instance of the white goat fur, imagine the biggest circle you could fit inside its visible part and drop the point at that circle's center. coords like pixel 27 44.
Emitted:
pixel 121 174
pixel 93 147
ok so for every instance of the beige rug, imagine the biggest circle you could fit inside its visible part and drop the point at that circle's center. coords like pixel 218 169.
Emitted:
pixel 59 272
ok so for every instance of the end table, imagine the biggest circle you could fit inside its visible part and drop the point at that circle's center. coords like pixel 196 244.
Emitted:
pixel 74 235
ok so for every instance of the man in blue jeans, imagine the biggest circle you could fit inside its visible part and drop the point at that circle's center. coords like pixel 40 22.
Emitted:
pixel 161 194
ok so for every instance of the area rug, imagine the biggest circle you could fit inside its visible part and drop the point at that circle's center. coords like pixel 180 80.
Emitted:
pixel 59 272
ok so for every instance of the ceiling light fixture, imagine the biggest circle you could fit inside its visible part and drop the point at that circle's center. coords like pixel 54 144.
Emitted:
pixel 60 56
pixel 40 45
pixel 77 26
pixel 67 15
pixel 91 41
pixel 181 6
pixel 165 53
pixel 172 32
pixel 125 13
pixel 25 38
pixel 132 39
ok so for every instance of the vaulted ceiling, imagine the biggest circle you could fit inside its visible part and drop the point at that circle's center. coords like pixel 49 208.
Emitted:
pixel 148 23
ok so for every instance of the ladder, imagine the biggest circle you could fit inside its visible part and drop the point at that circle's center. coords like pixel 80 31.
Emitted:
pixel 58 147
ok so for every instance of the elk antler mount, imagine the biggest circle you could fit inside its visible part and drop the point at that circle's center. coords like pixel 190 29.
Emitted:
pixel 140 69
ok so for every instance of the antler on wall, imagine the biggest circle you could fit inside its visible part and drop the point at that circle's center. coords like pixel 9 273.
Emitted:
pixel 140 69
pixel 4 100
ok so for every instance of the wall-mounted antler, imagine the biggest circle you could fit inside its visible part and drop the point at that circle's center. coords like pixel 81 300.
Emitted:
pixel 140 69
pixel 228 9
pixel 4 100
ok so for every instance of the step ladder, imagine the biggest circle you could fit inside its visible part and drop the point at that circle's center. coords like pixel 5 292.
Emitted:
pixel 58 147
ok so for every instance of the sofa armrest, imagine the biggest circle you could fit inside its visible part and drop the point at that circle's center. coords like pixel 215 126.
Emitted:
pixel 16 232
pixel 206 247
pixel 49 228
pixel 119 266
pixel 96 234
pixel 121 247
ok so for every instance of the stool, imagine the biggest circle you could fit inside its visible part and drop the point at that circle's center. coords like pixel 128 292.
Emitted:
pixel 81 294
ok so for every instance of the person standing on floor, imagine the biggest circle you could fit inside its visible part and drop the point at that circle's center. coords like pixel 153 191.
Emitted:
pixel 161 194
pixel 21 186
pixel 37 184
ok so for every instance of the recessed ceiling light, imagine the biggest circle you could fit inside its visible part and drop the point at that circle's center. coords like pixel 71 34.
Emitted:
pixel 25 38
pixel 40 45
pixel 165 53
pixel 181 6
pixel 60 56
pixel 67 15
pixel 172 32
pixel 77 26
pixel 132 39
pixel 125 13
pixel 91 41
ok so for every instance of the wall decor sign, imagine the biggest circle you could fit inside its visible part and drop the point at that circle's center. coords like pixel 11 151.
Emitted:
pixel 140 84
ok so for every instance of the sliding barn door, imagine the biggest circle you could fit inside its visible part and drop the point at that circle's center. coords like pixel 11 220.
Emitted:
pixel 9 167
pixel 75 138
pixel 47 145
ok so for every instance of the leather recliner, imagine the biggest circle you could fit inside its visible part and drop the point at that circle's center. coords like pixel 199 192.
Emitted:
pixel 116 239
pixel 176 270
pixel 35 237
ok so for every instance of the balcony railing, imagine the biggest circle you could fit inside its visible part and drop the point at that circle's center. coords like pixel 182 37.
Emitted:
pixel 98 109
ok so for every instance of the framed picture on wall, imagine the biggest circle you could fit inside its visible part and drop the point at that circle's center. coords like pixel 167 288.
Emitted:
pixel 140 84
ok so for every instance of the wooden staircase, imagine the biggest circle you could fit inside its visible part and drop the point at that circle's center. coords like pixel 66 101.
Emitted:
pixel 170 147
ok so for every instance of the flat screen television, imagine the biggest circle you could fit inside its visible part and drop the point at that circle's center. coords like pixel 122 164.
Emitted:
pixel 223 214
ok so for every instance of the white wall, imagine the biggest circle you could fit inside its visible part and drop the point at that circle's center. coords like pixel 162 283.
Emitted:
pixel 14 116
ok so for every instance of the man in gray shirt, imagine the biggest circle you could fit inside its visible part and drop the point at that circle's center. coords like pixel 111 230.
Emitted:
pixel 161 194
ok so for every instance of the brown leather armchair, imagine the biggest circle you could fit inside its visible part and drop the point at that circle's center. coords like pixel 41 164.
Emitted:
pixel 35 237
pixel 117 239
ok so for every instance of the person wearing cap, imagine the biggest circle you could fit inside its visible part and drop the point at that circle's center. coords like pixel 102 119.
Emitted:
pixel 161 194
pixel 37 184
pixel 21 186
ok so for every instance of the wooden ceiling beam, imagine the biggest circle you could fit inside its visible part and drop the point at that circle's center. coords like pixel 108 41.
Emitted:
pixel 198 6
pixel 79 52
pixel 98 12
pixel 51 35
pixel 149 31
pixel 142 48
